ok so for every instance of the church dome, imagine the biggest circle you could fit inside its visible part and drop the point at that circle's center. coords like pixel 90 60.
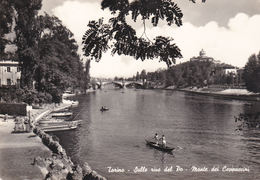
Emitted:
pixel 202 53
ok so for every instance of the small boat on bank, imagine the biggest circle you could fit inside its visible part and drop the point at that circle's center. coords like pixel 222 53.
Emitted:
pixel 70 125
pixel 159 146
pixel 51 121
pixel 57 122
pixel 61 114
pixel 62 110
pixel 59 128
pixel 75 104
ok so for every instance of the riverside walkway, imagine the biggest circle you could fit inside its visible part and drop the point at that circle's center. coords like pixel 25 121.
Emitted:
pixel 18 150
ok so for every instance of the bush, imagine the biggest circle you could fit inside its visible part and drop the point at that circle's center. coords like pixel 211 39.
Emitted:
pixel 29 96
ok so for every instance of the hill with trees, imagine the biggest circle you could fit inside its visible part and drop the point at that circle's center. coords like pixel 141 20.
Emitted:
pixel 189 74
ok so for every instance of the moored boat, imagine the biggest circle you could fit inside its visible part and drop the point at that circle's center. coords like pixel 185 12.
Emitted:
pixel 58 122
pixel 159 146
pixel 55 129
pixel 61 127
pixel 61 114
pixel 62 110
pixel 51 121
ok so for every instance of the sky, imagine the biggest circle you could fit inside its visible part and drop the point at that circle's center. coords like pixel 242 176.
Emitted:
pixel 228 30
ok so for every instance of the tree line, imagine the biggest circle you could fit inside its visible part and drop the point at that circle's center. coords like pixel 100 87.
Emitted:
pixel 46 52
pixel 188 74
pixel 202 73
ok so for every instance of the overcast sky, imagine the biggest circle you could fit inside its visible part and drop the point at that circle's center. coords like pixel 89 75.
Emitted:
pixel 228 30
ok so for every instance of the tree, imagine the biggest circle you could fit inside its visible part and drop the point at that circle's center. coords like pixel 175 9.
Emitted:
pixel 143 75
pixel 252 73
pixel 137 77
pixel 86 75
pixel 6 20
pixel 27 37
pixel 121 37
pixel 59 65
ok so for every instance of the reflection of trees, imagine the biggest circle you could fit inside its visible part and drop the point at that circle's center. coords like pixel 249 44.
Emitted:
pixel 250 118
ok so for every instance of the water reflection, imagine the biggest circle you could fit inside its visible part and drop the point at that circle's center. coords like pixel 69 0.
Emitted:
pixel 202 127
pixel 251 138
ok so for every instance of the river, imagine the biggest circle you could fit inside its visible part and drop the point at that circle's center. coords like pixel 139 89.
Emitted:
pixel 201 128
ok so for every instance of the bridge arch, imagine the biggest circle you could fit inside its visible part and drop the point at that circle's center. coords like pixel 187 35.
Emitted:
pixel 134 84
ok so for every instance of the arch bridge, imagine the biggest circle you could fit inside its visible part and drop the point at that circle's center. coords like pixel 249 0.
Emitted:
pixel 121 84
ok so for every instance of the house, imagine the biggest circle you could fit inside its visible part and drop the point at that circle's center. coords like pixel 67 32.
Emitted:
pixel 10 73
pixel 231 71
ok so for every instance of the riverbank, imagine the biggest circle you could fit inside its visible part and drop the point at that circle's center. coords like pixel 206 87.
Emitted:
pixel 237 94
pixel 37 155
pixel 17 150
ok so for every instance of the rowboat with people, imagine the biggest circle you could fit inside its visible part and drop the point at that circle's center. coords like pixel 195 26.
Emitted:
pixel 159 146
pixel 104 108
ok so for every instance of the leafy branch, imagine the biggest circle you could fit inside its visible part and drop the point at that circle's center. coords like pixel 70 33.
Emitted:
pixel 122 37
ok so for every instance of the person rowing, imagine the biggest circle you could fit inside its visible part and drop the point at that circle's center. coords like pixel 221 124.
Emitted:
pixel 103 108
pixel 163 141
pixel 156 137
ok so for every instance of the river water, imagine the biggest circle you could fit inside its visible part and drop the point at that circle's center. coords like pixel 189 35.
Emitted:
pixel 201 128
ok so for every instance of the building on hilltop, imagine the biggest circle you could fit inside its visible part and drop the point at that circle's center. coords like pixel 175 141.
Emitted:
pixel 10 73
pixel 203 58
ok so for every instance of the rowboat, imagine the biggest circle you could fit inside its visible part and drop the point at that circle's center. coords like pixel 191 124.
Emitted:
pixel 159 146
pixel 75 104
pixel 104 109
pixel 62 114
pixel 57 122
pixel 62 110
pixel 60 127
pixel 51 121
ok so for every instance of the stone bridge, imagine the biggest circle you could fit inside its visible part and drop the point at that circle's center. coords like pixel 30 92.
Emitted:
pixel 121 84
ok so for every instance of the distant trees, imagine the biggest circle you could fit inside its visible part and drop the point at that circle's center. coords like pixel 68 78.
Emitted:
pixel 143 75
pixel 192 73
pixel 137 77
pixel 87 75
pixel 252 73
pixel 121 38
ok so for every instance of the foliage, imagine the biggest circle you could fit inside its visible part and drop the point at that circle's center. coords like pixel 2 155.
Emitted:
pixel 16 94
pixel 6 18
pixel 59 64
pixel 249 118
pixel 46 50
pixel 192 73
pixel 86 75
pixel 121 37
pixel 252 73
pixel 27 37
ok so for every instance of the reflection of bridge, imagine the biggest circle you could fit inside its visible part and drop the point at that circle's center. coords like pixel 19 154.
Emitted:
pixel 121 84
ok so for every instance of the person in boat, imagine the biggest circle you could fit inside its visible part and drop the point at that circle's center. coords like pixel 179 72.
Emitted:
pixel 156 137
pixel 104 108
pixel 163 141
